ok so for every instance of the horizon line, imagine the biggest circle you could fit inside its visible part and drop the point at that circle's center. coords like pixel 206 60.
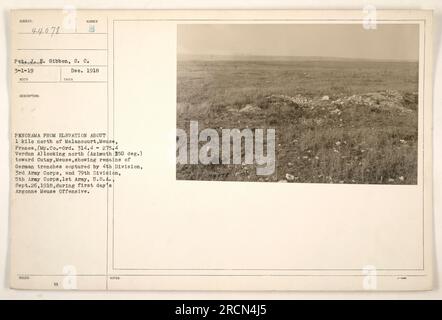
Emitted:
pixel 294 57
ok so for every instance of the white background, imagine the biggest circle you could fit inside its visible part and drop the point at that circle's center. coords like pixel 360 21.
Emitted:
pixel 6 5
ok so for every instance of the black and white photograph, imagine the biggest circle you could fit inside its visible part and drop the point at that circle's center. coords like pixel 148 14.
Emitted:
pixel 305 103
pixel 233 154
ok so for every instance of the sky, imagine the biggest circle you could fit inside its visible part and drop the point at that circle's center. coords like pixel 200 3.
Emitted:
pixel 387 42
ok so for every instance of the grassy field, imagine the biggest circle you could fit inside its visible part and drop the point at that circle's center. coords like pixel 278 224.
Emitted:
pixel 335 121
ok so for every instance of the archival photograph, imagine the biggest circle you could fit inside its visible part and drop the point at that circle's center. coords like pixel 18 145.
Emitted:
pixel 298 103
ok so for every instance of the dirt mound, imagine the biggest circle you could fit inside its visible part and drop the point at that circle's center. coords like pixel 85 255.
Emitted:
pixel 383 100
pixel 388 100
pixel 250 108
pixel 298 100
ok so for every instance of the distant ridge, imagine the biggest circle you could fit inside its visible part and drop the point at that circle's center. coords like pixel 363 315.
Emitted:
pixel 194 57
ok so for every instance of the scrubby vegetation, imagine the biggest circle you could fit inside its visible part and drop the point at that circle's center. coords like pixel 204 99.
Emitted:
pixel 335 121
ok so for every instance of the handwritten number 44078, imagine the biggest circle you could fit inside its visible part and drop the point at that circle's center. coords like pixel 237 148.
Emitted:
pixel 46 30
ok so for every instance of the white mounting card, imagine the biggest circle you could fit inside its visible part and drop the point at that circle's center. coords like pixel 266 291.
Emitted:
pixel 221 150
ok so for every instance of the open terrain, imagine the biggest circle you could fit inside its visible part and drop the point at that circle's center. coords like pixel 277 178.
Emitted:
pixel 335 121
